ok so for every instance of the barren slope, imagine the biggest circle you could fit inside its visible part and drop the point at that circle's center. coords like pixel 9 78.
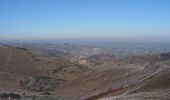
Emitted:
pixel 18 64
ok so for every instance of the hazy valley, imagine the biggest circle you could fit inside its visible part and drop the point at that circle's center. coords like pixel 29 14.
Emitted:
pixel 82 72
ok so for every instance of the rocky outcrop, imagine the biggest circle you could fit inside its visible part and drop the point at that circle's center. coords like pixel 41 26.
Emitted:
pixel 40 83
pixel 9 96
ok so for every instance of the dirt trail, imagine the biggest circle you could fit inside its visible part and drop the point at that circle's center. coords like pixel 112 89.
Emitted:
pixel 111 92
pixel 5 73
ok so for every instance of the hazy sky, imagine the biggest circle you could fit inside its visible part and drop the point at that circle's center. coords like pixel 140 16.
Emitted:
pixel 114 19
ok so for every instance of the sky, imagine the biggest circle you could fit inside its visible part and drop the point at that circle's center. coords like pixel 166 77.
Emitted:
pixel 145 20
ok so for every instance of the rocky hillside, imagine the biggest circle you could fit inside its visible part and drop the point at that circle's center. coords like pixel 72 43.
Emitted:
pixel 22 70
pixel 26 74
